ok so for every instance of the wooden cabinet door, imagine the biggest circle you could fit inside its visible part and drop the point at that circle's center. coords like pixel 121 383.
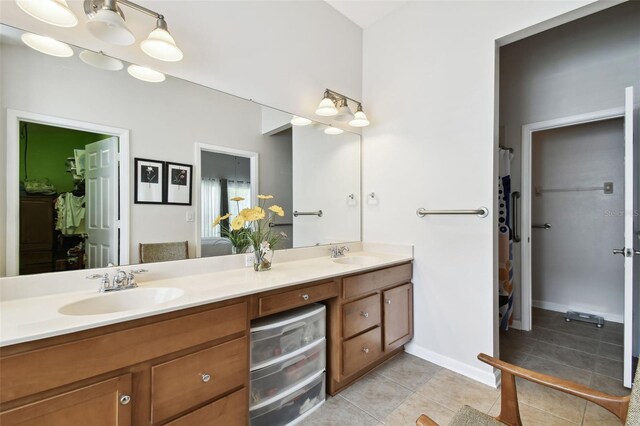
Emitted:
pixel 36 223
pixel 398 316
pixel 97 405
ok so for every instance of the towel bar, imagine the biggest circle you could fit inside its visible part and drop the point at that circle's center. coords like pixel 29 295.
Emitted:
pixel 480 212
pixel 297 213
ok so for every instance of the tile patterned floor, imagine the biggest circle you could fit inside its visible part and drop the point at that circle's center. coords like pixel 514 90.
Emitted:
pixel 401 389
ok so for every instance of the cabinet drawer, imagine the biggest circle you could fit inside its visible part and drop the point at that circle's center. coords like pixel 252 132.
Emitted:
pixel 96 404
pixel 180 384
pixel 268 305
pixel 229 411
pixel 360 315
pixel 362 284
pixel 361 351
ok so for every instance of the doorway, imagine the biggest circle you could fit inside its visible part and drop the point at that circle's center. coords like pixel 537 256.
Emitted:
pixel 68 191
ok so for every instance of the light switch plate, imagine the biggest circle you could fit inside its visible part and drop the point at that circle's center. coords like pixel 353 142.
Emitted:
pixel 189 215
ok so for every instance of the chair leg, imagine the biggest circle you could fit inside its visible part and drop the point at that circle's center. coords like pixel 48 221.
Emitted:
pixel 509 411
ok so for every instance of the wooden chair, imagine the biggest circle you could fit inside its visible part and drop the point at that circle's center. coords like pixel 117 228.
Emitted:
pixel 626 408
pixel 162 252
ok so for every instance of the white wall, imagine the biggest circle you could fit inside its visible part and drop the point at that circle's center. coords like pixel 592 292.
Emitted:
pixel 572 264
pixel 323 161
pixel 579 68
pixel 429 85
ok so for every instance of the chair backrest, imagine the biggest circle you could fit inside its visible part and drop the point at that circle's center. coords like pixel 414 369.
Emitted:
pixel 162 252
pixel 633 415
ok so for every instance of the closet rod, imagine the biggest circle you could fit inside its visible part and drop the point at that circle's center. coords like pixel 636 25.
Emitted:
pixel 480 212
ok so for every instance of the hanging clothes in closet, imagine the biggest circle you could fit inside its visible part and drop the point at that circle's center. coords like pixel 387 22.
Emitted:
pixel 505 241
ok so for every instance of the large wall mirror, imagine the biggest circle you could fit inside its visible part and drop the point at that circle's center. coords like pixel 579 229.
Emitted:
pixel 99 163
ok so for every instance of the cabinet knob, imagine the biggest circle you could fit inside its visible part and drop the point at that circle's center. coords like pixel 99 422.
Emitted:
pixel 364 314
pixel 125 399
pixel 206 378
pixel 365 350
pixel 388 301
pixel 305 297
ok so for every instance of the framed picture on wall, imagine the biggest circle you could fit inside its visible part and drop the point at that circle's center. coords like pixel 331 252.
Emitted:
pixel 149 181
pixel 178 183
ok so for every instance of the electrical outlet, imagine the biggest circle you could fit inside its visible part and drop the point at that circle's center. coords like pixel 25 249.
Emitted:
pixel 248 260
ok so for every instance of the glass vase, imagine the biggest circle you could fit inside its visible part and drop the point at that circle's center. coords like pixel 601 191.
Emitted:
pixel 261 260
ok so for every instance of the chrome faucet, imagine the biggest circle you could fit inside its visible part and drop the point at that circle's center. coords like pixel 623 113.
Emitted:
pixel 121 280
pixel 338 251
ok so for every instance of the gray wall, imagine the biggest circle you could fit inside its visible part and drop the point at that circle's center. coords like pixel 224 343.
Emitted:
pixel 579 67
pixel 572 264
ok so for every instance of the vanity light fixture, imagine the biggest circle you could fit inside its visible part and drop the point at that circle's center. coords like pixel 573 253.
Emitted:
pixel 107 22
pixel 145 74
pixel 360 118
pixel 47 45
pixel 327 107
pixel 333 131
pixel 53 12
pixel 300 121
pixel 335 104
pixel 100 60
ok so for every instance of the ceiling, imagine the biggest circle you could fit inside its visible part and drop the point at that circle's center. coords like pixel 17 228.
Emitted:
pixel 365 13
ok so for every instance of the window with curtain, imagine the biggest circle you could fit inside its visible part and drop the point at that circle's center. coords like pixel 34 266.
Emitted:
pixel 239 189
pixel 210 205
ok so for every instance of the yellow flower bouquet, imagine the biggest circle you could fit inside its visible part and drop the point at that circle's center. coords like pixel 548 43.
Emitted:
pixel 250 228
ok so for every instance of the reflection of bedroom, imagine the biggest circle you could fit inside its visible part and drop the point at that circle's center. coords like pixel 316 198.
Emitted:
pixel 223 177
pixel 52 197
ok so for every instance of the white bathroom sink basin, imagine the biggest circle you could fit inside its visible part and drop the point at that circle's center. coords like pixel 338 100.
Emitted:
pixel 356 260
pixel 123 300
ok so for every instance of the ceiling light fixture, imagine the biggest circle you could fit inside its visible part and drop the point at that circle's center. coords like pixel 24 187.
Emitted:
pixel 54 12
pixel 47 45
pixel 145 74
pixel 333 131
pixel 342 112
pixel 300 121
pixel 100 60
pixel 107 22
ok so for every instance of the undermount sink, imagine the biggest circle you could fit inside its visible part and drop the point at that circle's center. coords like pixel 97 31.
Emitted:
pixel 356 260
pixel 124 300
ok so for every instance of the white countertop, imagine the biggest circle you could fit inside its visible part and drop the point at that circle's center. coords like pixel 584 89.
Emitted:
pixel 32 318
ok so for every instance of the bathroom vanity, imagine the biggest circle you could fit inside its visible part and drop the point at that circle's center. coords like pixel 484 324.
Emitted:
pixel 187 366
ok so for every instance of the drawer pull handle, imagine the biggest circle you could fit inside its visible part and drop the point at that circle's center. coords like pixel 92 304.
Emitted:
pixel 125 399
pixel 305 296
pixel 206 378
pixel 365 314
pixel 365 350
pixel 388 301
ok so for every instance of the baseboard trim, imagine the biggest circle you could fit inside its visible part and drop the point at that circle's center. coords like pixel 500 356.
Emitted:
pixel 469 371
pixel 557 307
pixel 517 324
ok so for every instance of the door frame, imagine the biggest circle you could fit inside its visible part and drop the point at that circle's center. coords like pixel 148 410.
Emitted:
pixel 14 117
pixel 253 171
pixel 525 191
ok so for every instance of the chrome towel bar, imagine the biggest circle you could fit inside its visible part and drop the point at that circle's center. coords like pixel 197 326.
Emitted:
pixel 273 225
pixel 543 226
pixel 480 212
pixel 297 213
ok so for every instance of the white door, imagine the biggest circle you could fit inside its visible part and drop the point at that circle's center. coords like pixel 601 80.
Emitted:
pixel 629 250
pixel 101 186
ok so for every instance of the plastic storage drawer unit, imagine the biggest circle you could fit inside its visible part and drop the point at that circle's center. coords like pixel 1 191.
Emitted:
pixel 296 367
pixel 293 406
pixel 280 334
